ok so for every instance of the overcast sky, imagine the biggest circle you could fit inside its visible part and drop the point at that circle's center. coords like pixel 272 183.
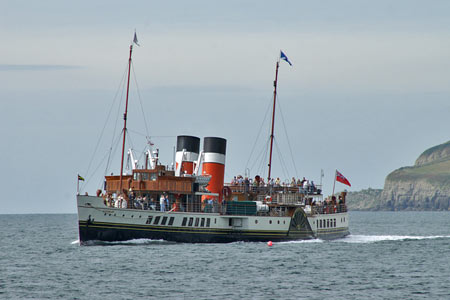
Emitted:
pixel 368 91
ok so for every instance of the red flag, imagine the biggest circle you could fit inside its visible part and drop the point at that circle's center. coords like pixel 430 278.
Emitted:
pixel 342 179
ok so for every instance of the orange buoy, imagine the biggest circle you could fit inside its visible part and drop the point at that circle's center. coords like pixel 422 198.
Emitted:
pixel 269 243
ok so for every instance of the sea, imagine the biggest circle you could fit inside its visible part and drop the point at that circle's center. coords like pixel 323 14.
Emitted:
pixel 388 255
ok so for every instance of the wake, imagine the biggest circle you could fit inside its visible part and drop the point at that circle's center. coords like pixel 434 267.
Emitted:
pixel 367 239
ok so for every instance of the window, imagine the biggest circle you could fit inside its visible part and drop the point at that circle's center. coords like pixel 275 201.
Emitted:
pixel 202 224
pixel 334 222
pixel 164 220
pixel 171 220
pixel 196 221
pixel 230 222
pixel 156 220
pixel 256 221
pixel 191 221
pixel 149 220
pixel 328 223
pixel 270 221
pixel 208 222
pixel 215 221
pixel 278 221
pixel 153 176
pixel 184 221
pixel 320 223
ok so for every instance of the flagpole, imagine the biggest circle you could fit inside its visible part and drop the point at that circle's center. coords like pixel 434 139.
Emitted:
pixel 78 184
pixel 334 184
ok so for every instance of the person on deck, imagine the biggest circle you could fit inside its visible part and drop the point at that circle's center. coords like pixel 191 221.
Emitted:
pixel 162 203
pixel 167 201
pixel 152 204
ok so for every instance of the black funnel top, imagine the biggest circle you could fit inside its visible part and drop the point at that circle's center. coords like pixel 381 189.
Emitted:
pixel 214 145
pixel 190 143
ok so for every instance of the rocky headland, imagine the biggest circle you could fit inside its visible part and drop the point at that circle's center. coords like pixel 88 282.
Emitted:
pixel 424 186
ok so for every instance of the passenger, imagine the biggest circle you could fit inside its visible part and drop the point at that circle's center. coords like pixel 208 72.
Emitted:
pixel 145 203
pixel 306 186
pixel 162 203
pixel 293 182
pixel 152 204
pixel 167 201
pixel 278 181
pixel 124 203
pixel 312 187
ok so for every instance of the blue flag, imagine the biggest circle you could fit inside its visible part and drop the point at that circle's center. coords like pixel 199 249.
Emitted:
pixel 284 57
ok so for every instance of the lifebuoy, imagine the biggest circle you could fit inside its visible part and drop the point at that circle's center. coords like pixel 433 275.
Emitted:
pixel 226 191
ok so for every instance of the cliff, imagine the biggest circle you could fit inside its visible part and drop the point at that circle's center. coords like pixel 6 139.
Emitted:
pixel 424 186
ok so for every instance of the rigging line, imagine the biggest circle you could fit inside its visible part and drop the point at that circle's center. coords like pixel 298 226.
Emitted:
pixel 263 160
pixel 153 136
pixel 115 125
pixel 140 99
pixel 112 151
pixel 259 158
pixel 288 140
pixel 259 133
pixel 88 179
pixel 105 124
pixel 98 166
pixel 282 163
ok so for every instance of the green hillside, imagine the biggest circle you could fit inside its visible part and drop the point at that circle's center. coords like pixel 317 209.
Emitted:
pixel 436 173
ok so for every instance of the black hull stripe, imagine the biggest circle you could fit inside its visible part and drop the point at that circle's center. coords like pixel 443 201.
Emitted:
pixel 112 232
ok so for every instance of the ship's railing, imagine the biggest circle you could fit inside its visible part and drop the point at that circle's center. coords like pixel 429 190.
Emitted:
pixel 329 208
pixel 272 189
pixel 207 206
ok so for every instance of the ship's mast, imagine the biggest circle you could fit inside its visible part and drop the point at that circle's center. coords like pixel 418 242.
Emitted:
pixel 125 120
pixel 273 118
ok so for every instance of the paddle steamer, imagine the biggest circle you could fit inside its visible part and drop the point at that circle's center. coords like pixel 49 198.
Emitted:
pixel 191 203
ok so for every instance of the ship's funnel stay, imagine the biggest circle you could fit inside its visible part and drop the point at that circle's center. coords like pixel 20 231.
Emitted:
pixel 187 153
pixel 214 149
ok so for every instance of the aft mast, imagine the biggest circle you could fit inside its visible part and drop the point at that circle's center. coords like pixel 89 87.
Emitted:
pixel 283 57
pixel 125 116
pixel 273 118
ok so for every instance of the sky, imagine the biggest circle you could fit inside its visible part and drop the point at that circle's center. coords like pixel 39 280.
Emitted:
pixel 368 91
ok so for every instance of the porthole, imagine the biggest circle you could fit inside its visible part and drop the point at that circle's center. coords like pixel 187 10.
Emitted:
pixel 132 216
pixel 140 216
pixel 105 214
pixel 123 215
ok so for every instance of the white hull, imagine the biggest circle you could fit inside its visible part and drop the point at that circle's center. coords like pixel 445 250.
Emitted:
pixel 100 222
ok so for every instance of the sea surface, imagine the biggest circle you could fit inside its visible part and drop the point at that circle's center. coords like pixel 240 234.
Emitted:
pixel 389 255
